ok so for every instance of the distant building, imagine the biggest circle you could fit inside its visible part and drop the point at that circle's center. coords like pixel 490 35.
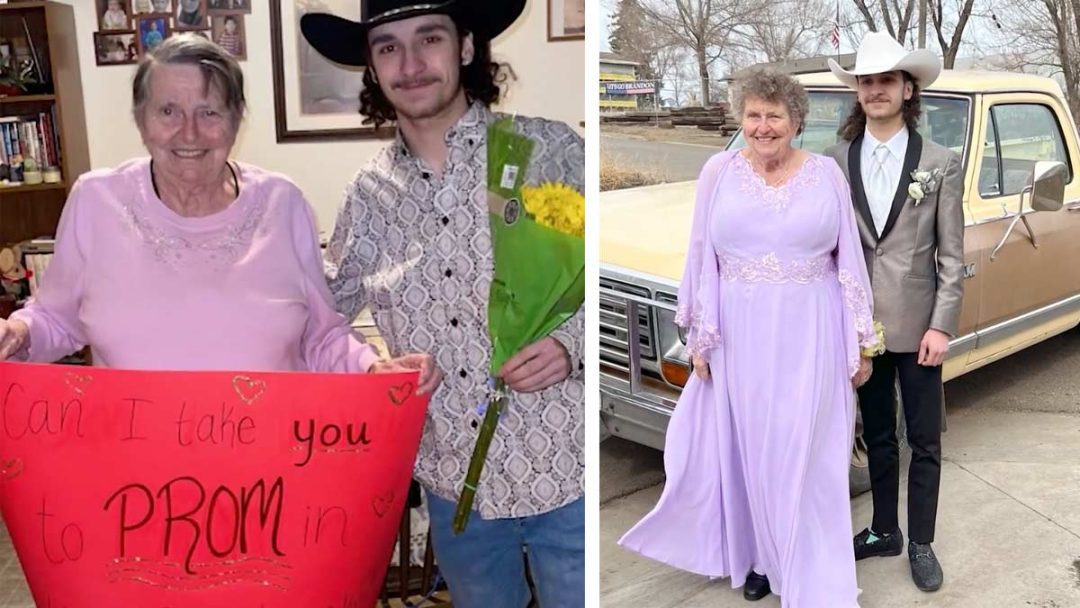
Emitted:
pixel 619 85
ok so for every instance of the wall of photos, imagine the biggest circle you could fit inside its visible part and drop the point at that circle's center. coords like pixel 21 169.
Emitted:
pixel 549 84
pixel 128 29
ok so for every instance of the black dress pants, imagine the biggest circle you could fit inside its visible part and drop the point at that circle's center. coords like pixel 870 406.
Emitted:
pixel 920 388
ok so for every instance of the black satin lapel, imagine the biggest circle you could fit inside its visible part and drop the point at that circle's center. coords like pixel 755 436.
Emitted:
pixel 911 162
pixel 854 163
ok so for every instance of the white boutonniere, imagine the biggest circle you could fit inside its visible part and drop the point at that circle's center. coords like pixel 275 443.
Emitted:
pixel 923 183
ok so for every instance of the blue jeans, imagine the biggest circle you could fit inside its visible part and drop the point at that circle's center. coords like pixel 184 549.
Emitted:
pixel 484 566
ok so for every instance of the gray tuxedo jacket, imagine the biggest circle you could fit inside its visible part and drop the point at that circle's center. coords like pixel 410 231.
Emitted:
pixel 916 266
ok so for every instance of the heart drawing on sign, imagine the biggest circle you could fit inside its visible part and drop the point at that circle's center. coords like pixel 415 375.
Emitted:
pixel 400 394
pixel 10 469
pixel 248 389
pixel 382 503
pixel 78 382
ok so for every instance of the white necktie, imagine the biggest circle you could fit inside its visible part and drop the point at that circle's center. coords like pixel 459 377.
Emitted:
pixel 879 189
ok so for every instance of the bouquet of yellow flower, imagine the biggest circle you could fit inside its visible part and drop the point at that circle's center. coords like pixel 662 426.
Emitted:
pixel 878 348
pixel 538 240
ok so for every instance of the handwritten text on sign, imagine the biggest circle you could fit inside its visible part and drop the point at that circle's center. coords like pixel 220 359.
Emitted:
pixel 126 488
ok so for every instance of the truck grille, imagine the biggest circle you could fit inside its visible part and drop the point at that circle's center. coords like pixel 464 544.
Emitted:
pixel 613 334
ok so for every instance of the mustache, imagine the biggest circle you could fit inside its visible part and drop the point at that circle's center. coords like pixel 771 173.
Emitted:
pixel 414 82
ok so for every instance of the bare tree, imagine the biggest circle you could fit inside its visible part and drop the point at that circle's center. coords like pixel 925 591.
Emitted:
pixel 676 70
pixel 1042 36
pixel 887 15
pixel 791 30
pixel 704 27
pixel 940 20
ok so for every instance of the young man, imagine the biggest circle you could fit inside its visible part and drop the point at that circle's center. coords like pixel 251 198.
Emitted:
pixel 913 238
pixel 412 241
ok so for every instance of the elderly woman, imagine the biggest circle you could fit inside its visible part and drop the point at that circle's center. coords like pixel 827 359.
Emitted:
pixel 776 301
pixel 187 260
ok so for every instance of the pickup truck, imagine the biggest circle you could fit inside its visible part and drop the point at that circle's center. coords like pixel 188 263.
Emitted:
pixel 1021 156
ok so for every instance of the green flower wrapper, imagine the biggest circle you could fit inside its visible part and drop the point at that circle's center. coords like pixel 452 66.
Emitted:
pixel 539 283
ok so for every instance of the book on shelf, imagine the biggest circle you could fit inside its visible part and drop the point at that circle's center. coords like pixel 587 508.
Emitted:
pixel 30 136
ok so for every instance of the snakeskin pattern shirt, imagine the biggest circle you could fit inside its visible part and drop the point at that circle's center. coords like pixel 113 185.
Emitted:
pixel 416 248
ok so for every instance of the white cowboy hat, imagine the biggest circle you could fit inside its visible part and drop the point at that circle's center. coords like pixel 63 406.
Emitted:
pixel 879 53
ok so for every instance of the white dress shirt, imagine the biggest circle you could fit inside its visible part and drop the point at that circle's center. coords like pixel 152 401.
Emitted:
pixel 880 188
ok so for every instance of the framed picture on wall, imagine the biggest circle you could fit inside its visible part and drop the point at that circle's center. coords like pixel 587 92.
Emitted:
pixel 191 15
pixel 151 30
pixel 227 30
pixel 314 99
pixel 113 15
pixel 566 19
pixel 149 7
pixel 115 48
pixel 229 6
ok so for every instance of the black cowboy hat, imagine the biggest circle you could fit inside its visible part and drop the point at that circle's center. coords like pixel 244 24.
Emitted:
pixel 345 41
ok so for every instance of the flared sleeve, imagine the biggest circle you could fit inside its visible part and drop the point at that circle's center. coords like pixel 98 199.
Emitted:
pixel 859 331
pixel 698 309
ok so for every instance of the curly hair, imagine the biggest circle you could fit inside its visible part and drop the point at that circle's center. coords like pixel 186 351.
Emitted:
pixel 773 87
pixel 483 80
pixel 855 124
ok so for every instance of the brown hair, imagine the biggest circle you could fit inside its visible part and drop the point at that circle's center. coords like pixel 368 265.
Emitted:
pixel 483 80
pixel 855 124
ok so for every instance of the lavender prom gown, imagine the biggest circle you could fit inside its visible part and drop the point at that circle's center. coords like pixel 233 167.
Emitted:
pixel 776 297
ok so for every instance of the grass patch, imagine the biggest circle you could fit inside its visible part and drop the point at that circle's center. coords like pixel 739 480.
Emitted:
pixel 614 177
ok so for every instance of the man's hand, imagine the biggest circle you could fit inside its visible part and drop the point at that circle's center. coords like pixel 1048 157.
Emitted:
pixel 430 374
pixel 701 367
pixel 866 367
pixel 14 336
pixel 934 347
pixel 539 365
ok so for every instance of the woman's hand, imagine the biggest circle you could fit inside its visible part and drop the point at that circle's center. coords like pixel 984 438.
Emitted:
pixel 865 369
pixel 14 336
pixel 430 375
pixel 701 367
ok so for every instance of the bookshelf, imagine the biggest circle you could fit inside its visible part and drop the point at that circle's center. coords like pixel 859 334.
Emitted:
pixel 47 30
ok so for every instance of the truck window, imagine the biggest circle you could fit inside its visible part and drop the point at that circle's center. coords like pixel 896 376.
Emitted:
pixel 1024 133
pixel 944 120
pixel 990 172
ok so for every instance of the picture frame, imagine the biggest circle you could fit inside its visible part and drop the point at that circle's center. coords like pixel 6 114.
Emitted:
pixel 215 7
pixel 190 15
pixel 106 51
pixel 566 20
pixel 144 28
pixel 113 15
pixel 150 7
pixel 235 42
pixel 314 98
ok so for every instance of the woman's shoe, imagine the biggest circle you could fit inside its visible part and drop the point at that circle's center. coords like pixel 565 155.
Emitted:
pixel 756 587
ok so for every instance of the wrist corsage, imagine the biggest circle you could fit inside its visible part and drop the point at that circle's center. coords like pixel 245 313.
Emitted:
pixel 878 346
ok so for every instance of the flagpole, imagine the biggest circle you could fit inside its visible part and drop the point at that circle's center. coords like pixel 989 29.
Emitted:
pixel 837 26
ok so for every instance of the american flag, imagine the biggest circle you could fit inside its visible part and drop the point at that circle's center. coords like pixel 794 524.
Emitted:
pixel 835 36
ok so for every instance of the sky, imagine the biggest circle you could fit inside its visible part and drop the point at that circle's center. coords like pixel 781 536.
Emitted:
pixel 977 29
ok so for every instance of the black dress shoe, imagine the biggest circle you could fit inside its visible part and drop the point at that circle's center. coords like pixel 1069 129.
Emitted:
pixel 925 569
pixel 756 587
pixel 871 545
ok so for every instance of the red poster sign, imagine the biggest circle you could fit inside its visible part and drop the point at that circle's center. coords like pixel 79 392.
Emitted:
pixel 190 489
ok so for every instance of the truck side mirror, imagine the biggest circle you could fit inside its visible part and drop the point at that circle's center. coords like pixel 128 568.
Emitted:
pixel 1048 186
pixel 1047 193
